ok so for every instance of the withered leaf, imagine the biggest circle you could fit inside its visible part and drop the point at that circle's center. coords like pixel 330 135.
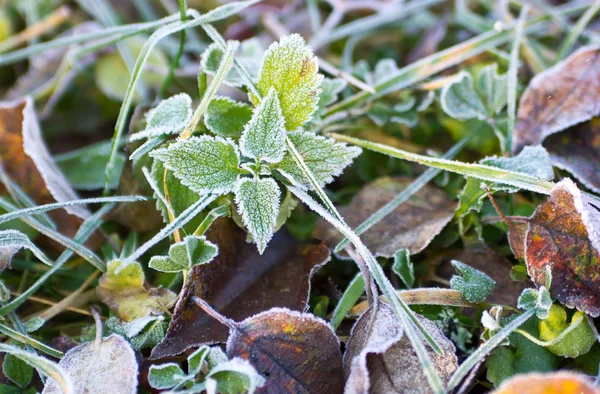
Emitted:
pixel 410 226
pixel 380 359
pixel 564 235
pixel 240 283
pixel 560 97
pixel 557 382
pixel 295 352
pixel 28 163
pixel 577 150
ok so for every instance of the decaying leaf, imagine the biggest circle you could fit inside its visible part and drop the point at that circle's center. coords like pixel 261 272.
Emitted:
pixel 296 352
pixel 380 359
pixel 563 234
pixel 412 225
pixel 577 150
pixel 557 382
pixel 99 368
pixel 240 283
pixel 28 163
pixel 560 97
pixel 122 290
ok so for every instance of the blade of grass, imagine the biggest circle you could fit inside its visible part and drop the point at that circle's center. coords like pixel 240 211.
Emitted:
pixel 480 171
pixel 175 63
pixel 576 31
pixel 17 336
pixel 87 228
pixel 404 195
pixel 513 68
pixel 355 289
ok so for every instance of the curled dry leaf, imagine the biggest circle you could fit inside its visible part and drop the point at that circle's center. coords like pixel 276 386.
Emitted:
pixel 564 235
pixel 410 226
pixel 239 283
pixel 380 359
pixel 560 97
pixel 99 368
pixel 295 352
pixel 557 383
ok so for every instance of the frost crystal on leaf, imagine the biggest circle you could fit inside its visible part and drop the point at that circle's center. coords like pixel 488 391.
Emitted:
pixel 247 55
pixel 169 117
pixel 204 164
pixel 190 252
pixel 474 285
pixel 290 67
pixel 264 136
pixel 258 203
pixel 460 100
pixel 323 156
pixel 226 117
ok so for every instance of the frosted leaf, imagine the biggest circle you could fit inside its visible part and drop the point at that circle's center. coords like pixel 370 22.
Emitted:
pixel 10 243
pixel 264 136
pixel 226 117
pixel 474 285
pixel 109 367
pixel 330 88
pixel 236 375
pixel 248 55
pixel 493 88
pixel 460 99
pixel 290 67
pixel 258 204
pixel 539 300
pixel 165 376
pixel 323 156
pixel 577 341
pixel 204 164
pixel 186 254
pixel 169 117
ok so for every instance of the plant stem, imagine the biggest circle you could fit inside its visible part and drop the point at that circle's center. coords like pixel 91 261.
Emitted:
pixel 175 63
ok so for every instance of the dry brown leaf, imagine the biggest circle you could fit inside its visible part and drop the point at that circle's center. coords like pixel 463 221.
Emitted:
pixel 560 97
pixel 412 225
pixel 380 359
pixel 549 383
pixel 239 283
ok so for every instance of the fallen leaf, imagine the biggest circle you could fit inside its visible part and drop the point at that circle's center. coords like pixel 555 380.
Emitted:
pixel 555 383
pixel 107 367
pixel 380 359
pixel 559 97
pixel 239 283
pixel 412 225
pixel 563 234
pixel 295 352
pixel 577 150
pixel 28 163
pixel 121 288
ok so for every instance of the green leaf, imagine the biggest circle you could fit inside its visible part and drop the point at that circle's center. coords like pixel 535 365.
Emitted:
pixel 196 359
pixel 17 370
pixel 186 254
pixel 258 204
pixel 264 136
pixel 578 340
pixel 84 168
pixel 226 117
pixel 234 376
pixel 493 88
pixel 500 365
pixel 180 196
pixel 404 268
pixel 460 100
pixel 537 299
pixel 169 117
pixel 165 376
pixel 248 55
pixel 4 293
pixel 204 164
pixel 122 290
pixel 474 285
pixel 330 89
pixel 151 335
pixel 290 67
pixel 323 156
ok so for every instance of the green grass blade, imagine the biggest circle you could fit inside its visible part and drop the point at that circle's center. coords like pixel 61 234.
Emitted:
pixel 17 336
pixel 513 68
pixel 355 289
pixel 579 27
pixel 404 195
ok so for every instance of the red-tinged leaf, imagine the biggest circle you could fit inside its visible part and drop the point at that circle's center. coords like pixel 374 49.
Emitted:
pixel 560 97
pixel 410 226
pixel 577 150
pixel 240 283
pixel 564 235
pixel 295 352
pixel 550 383
pixel 380 359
